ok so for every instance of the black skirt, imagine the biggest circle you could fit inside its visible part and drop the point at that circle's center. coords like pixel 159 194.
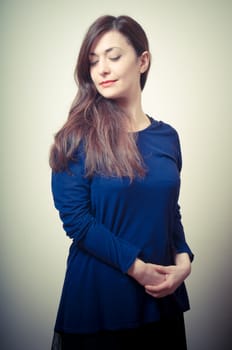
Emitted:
pixel 162 335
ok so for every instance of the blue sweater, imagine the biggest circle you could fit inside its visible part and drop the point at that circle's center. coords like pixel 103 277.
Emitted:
pixel 111 222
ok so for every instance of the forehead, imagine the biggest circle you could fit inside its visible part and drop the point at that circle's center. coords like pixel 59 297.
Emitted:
pixel 109 40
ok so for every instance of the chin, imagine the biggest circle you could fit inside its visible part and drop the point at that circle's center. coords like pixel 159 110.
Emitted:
pixel 111 96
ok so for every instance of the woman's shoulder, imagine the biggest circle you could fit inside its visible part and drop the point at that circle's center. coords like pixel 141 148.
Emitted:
pixel 162 125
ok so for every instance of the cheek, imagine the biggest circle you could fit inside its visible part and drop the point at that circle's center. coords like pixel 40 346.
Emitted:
pixel 92 73
pixel 92 76
pixel 130 70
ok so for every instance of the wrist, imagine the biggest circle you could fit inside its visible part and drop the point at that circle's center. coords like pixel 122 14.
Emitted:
pixel 136 270
pixel 183 261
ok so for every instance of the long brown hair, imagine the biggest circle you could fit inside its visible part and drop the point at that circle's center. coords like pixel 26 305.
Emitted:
pixel 96 121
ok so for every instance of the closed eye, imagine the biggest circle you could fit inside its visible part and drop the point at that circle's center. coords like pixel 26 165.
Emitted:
pixel 93 63
pixel 116 58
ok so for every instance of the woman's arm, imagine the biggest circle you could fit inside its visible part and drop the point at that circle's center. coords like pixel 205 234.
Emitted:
pixel 71 194
pixel 179 240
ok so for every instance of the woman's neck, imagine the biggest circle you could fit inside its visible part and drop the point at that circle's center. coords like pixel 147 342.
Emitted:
pixel 138 120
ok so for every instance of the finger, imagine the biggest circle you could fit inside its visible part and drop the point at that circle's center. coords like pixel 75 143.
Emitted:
pixel 157 288
pixel 162 269
pixel 157 295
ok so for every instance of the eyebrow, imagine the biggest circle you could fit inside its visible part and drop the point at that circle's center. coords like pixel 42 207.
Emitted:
pixel 106 51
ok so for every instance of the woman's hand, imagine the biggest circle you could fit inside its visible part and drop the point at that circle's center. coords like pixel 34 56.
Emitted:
pixel 174 276
pixel 146 273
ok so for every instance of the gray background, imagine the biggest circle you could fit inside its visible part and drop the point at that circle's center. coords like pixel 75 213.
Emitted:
pixel 189 86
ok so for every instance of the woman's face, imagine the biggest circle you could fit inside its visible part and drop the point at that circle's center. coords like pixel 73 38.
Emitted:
pixel 115 68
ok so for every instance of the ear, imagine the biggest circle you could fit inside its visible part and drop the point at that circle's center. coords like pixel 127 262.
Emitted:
pixel 144 61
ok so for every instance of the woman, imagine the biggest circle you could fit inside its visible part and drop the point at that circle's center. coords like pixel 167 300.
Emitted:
pixel 115 183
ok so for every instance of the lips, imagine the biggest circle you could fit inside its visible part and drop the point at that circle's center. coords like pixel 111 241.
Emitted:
pixel 107 83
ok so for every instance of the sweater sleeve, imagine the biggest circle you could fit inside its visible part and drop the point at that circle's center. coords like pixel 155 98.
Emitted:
pixel 180 243
pixel 71 195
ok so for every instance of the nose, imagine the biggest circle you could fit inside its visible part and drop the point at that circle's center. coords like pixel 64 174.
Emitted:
pixel 103 67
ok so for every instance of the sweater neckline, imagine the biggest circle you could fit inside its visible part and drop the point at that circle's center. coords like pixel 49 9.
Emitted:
pixel 153 122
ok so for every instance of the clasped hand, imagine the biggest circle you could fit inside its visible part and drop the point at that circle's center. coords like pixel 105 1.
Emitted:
pixel 158 280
